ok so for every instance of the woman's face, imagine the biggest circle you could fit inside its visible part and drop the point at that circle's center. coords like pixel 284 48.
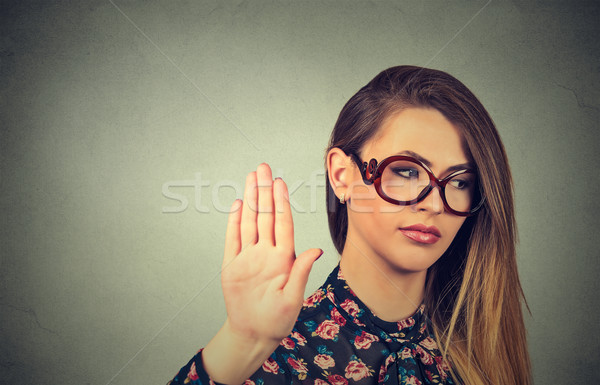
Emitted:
pixel 387 231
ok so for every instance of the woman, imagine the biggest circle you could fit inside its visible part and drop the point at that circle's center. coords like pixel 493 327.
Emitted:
pixel 427 290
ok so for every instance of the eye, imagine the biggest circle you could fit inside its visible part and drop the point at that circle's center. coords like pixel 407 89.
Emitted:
pixel 406 172
pixel 460 184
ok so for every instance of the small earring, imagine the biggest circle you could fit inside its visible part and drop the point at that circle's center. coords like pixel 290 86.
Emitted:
pixel 342 201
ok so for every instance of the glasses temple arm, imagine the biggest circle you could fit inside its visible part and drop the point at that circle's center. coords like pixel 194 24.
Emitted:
pixel 362 167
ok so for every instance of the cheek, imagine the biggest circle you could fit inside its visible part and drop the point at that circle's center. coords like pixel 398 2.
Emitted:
pixel 364 199
pixel 372 214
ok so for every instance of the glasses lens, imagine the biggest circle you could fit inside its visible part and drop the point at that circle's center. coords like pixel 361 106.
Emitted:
pixel 404 181
pixel 461 192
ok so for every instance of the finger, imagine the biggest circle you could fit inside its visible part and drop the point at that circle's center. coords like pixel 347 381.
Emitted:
pixel 265 218
pixel 300 271
pixel 284 225
pixel 248 222
pixel 232 235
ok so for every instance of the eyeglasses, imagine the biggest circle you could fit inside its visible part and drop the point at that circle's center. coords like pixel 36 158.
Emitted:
pixel 404 181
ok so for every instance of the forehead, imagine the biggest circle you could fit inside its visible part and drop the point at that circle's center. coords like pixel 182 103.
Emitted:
pixel 425 131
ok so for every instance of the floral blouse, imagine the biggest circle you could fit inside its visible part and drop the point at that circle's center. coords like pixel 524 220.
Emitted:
pixel 337 340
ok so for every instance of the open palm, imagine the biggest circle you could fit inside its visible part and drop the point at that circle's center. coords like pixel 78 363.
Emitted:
pixel 263 281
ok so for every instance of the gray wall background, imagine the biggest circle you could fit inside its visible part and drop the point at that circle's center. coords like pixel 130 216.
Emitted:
pixel 104 103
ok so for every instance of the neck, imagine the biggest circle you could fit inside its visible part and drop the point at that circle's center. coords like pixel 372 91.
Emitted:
pixel 390 294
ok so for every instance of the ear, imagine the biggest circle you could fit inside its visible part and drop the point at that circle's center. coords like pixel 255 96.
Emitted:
pixel 339 170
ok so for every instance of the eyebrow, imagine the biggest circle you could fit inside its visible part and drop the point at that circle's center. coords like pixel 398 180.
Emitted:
pixel 456 167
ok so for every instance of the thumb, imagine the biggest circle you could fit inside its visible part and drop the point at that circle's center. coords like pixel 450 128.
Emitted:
pixel 300 271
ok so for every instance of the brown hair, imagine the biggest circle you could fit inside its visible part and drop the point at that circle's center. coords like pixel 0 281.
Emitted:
pixel 473 294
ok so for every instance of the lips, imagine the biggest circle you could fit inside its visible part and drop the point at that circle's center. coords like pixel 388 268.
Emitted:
pixel 421 233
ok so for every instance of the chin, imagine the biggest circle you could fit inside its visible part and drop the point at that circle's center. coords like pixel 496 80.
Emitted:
pixel 414 262
pixel 410 266
pixel 411 269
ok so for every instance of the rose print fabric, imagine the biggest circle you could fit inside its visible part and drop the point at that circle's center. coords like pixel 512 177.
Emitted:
pixel 337 340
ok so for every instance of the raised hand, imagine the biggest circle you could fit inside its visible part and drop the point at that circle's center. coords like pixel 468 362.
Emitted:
pixel 262 279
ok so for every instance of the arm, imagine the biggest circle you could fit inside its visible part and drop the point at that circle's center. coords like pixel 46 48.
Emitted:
pixel 263 281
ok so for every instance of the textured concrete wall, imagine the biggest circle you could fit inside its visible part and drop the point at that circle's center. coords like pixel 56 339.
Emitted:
pixel 104 104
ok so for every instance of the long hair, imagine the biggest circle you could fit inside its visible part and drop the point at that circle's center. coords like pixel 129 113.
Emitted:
pixel 473 294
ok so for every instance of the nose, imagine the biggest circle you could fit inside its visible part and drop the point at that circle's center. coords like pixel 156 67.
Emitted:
pixel 432 202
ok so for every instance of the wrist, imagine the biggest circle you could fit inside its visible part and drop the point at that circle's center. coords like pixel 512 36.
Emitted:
pixel 247 341
pixel 231 356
